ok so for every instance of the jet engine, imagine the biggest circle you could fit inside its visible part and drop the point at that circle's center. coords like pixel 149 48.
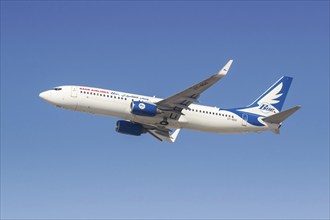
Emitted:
pixel 144 109
pixel 131 128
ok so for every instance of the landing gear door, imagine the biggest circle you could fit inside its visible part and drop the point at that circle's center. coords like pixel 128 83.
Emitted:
pixel 74 92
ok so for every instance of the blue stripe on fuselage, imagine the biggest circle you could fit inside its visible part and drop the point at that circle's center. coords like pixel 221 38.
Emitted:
pixel 252 118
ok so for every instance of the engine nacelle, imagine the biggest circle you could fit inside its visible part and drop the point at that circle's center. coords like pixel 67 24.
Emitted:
pixel 143 109
pixel 131 128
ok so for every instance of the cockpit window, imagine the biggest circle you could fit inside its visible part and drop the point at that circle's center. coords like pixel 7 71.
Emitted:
pixel 57 89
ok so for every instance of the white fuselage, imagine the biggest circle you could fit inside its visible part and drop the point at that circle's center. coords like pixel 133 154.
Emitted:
pixel 118 104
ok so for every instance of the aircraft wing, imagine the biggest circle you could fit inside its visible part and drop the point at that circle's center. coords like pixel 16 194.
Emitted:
pixel 173 105
pixel 162 133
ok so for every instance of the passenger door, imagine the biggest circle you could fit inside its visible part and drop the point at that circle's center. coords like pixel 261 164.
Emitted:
pixel 74 92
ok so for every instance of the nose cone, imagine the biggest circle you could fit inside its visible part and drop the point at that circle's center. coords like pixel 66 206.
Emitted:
pixel 53 97
pixel 47 96
pixel 43 95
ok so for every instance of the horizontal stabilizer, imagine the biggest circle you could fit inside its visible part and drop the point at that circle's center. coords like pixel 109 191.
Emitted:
pixel 281 116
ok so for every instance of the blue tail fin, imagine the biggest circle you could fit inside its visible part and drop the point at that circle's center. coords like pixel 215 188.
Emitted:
pixel 271 101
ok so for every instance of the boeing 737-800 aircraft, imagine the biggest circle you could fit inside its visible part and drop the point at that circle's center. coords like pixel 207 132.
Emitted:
pixel 144 114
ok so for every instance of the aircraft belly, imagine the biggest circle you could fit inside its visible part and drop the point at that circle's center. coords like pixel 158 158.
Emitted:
pixel 148 120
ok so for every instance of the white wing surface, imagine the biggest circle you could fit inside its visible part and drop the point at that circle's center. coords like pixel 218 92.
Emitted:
pixel 173 105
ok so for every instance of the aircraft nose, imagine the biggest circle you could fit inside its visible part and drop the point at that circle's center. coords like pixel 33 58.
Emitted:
pixel 47 96
pixel 43 95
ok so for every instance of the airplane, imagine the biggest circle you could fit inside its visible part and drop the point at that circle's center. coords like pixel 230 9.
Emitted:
pixel 164 118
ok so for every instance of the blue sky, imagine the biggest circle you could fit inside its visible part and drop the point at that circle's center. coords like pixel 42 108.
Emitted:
pixel 63 164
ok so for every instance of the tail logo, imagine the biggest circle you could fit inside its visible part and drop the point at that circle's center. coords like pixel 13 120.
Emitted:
pixel 271 101
pixel 273 95
pixel 266 108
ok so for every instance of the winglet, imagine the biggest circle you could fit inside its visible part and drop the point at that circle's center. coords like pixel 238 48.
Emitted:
pixel 225 69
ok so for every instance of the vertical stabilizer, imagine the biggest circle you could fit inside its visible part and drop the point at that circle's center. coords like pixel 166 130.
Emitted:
pixel 272 100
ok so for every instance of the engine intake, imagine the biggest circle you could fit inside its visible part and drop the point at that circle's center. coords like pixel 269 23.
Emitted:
pixel 131 128
pixel 143 109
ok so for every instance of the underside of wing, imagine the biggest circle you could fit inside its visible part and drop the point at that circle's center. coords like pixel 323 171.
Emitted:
pixel 135 128
pixel 162 133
